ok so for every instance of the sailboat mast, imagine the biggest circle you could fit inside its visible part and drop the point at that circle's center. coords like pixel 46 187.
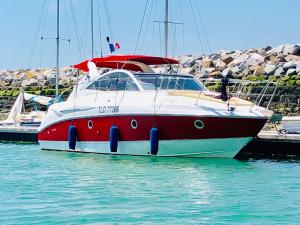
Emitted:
pixel 92 27
pixel 166 23
pixel 57 54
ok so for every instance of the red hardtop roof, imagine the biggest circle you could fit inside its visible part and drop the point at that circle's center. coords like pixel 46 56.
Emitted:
pixel 123 62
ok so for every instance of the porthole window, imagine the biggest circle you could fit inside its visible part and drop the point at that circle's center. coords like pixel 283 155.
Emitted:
pixel 90 124
pixel 134 124
pixel 199 124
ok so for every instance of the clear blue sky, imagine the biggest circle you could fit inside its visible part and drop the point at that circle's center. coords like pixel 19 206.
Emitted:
pixel 228 24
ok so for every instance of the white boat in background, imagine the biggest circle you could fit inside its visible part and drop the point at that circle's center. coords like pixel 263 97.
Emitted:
pixel 291 124
pixel 133 111
pixel 19 117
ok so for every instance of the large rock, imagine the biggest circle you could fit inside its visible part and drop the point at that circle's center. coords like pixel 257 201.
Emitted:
pixel 188 61
pixel 291 72
pixel 290 65
pixel 277 50
pixel 227 59
pixel 236 54
pixel 279 71
pixel 215 74
pixel 270 69
pixel 29 82
pixel 258 70
pixel 51 78
pixel 291 49
pixel 292 58
pixel 255 59
pixel 201 74
pixel 227 72
pixel 241 59
pixel 298 67
pixel 246 72
pixel 236 70
pixel 220 64
pixel 262 52
pixel 65 82
pixel 214 56
pixel 276 59
pixel 207 63
pixel 209 70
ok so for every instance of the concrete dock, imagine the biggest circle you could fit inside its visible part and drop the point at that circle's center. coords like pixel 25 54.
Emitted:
pixel 18 134
pixel 272 145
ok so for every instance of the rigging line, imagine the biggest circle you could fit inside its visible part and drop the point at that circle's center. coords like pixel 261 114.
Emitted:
pixel 45 19
pixel 99 26
pixel 68 30
pixel 78 38
pixel 41 53
pixel 86 34
pixel 153 27
pixel 141 26
pixel 150 13
pixel 108 20
pixel 66 18
pixel 182 21
pixel 32 51
pixel 200 41
pixel 175 48
pixel 202 25
pixel 160 42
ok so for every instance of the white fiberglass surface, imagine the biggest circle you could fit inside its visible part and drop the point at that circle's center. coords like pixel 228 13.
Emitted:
pixel 217 147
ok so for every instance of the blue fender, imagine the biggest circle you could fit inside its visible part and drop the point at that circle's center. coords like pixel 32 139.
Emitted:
pixel 113 138
pixel 72 137
pixel 154 141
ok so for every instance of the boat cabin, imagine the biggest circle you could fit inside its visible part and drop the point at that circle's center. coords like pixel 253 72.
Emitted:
pixel 124 80
pixel 133 73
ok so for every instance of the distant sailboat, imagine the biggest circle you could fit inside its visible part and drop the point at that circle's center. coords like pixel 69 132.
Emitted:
pixel 17 115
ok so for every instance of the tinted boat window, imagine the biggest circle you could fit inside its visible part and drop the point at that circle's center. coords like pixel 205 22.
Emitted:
pixel 114 82
pixel 168 82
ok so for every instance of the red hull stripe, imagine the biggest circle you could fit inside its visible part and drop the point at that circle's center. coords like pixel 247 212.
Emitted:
pixel 170 128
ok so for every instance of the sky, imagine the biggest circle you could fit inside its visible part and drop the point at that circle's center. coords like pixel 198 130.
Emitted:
pixel 204 26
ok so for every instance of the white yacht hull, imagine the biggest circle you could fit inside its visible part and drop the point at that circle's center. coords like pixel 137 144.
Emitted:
pixel 216 147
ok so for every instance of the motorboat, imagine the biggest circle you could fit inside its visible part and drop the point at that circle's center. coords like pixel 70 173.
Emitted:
pixel 131 110
pixel 19 117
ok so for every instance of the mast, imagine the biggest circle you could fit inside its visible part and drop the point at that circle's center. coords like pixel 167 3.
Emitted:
pixel 57 54
pixel 92 27
pixel 166 23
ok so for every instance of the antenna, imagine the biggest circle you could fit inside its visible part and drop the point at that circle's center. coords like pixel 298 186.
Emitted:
pixel 92 27
pixel 57 53
pixel 166 26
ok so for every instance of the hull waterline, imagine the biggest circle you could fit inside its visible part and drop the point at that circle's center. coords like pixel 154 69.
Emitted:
pixel 222 147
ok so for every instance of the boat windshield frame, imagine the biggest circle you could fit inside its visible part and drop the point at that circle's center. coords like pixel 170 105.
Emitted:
pixel 162 81
pixel 169 82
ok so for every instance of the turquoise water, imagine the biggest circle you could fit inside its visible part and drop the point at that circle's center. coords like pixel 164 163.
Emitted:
pixel 40 187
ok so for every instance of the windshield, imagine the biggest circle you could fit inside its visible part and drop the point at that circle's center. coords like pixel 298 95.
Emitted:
pixel 117 81
pixel 169 82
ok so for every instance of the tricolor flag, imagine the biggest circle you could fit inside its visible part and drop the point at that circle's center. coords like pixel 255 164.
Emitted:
pixel 112 47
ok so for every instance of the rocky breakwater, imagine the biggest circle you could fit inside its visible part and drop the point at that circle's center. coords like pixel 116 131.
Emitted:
pixel 253 64
pixel 279 64
pixel 37 81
